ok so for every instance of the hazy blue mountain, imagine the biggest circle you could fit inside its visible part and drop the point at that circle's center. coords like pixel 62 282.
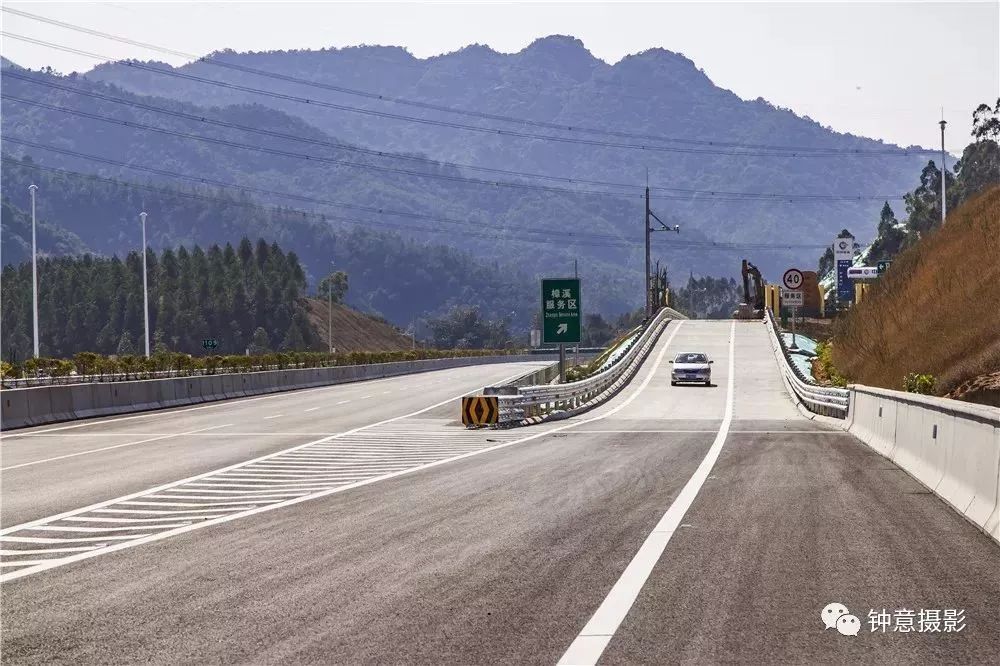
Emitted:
pixel 557 80
pixel 553 80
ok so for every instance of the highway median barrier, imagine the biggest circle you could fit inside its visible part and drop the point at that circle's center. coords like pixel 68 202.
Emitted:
pixel 40 405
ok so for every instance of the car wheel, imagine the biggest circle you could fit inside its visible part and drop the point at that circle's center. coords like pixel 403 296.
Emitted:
pixel 673 383
pixel 708 382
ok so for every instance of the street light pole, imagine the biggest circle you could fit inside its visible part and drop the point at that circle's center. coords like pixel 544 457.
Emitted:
pixel 329 324
pixel 145 287
pixel 34 270
pixel 944 174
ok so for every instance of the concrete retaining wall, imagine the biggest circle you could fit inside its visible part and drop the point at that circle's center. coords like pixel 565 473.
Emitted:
pixel 951 447
pixel 49 404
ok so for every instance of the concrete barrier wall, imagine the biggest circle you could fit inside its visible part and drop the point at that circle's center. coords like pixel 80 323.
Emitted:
pixel 50 404
pixel 951 447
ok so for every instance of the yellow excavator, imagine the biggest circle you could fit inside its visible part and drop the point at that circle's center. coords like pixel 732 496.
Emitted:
pixel 752 306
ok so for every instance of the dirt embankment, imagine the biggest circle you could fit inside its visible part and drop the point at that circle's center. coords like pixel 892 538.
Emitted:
pixel 352 330
pixel 936 311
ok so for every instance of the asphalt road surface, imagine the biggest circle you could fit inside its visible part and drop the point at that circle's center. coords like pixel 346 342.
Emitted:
pixel 689 523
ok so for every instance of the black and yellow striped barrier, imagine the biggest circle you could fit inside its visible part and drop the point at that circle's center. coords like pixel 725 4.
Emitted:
pixel 480 410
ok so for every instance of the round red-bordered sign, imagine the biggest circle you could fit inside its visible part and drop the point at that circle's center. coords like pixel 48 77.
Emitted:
pixel 792 279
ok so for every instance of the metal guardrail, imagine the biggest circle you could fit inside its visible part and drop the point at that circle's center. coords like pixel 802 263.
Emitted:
pixel 827 400
pixel 532 401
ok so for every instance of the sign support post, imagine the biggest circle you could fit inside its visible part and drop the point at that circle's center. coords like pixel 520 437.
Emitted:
pixel 795 345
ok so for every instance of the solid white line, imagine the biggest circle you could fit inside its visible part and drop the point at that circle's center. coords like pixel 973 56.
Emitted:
pixel 72 549
pixel 116 446
pixel 247 504
pixel 273 416
pixel 127 521
pixel 588 646
pixel 131 499
pixel 53 528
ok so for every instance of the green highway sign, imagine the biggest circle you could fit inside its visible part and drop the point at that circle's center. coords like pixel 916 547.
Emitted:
pixel 561 312
pixel 209 343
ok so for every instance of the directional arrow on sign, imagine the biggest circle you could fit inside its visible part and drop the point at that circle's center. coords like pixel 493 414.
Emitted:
pixel 562 329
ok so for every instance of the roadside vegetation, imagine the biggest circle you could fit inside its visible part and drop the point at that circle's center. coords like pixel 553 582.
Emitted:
pixel 129 366
pixel 931 323
pixel 934 312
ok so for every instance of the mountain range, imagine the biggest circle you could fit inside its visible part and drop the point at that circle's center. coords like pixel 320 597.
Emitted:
pixel 447 166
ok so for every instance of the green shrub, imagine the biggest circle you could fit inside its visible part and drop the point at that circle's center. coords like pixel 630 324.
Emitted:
pixel 919 383
pixel 824 371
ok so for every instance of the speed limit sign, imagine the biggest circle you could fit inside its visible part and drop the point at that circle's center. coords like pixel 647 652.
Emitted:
pixel 792 279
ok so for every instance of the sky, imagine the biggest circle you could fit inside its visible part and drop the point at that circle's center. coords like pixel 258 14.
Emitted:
pixel 879 69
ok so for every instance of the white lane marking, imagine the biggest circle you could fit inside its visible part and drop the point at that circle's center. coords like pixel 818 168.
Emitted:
pixel 115 446
pixel 239 401
pixel 589 645
pixel 731 432
pixel 273 416
pixel 131 499
pixel 343 402
pixel 72 549
pixel 311 409
pixel 364 397
pixel 126 521
pixel 245 504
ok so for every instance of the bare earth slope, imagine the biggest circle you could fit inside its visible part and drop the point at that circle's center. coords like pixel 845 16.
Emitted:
pixel 936 311
pixel 352 330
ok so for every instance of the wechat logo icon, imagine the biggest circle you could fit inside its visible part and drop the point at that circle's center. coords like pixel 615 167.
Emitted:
pixel 836 616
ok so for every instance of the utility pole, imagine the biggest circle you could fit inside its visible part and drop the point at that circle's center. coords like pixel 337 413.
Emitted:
pixel 944 174
pixel 34 270
pixel 645 280
pixel 329 310
pixel 145 289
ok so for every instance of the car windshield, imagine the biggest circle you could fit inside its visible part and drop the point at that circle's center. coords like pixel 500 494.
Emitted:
pixel 691 358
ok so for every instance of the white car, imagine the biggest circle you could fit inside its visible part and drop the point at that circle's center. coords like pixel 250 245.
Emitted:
pixel 691 367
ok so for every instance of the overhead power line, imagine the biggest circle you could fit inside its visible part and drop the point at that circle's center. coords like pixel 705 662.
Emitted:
pixel 715 196
pixel 602 240
pixel 439 107
pixel 762 151
pixel 425 160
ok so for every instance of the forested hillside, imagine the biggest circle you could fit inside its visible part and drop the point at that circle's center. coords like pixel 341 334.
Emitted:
pixel 391 276
pixel 243 296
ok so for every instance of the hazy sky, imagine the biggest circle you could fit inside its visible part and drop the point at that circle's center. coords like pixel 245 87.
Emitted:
pixel 879 69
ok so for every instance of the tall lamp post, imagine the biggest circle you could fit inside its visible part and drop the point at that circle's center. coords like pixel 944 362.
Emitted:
pixel 145 289
pixel 944 174
pixel 34 270
pixel 329 293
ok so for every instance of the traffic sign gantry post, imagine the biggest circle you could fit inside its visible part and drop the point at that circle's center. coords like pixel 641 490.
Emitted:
pixel 561 313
